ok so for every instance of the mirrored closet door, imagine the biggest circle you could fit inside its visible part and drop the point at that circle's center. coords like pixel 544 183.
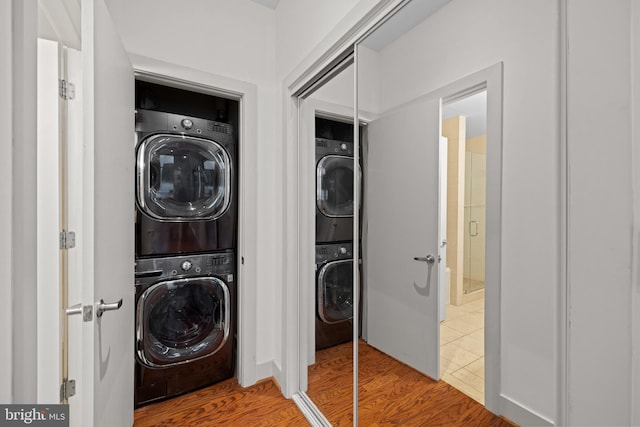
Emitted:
pixel 327 149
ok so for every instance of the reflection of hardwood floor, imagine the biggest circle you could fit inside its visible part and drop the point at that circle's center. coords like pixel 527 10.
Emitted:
pixel 391 393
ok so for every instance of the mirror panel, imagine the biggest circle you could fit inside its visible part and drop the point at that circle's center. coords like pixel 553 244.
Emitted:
pixel 404 219
pixel 327 130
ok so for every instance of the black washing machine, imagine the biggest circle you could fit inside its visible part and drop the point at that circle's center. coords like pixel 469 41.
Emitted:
pixel 185 184
pixel 334 294
pixel 185 324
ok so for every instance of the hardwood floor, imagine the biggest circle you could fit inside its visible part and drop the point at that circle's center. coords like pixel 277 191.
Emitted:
pixel 224 404
pixel 391 394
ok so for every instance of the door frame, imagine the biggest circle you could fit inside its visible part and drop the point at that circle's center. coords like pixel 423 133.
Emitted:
pixel 489 79
pixel 155 71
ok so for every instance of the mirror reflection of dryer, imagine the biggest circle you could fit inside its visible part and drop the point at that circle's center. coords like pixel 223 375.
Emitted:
pixel 334 294
pixel 185 184
pixel 185 324
pixel 334 190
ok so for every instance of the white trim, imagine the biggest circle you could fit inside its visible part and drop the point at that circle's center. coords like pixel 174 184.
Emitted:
pixel 524 416
pixel 562 357
pixel 310 411
pixel 23 201
pixel 265 370
pixel 179 76
pixel 49 301
pixel 635 147
pixel 6 182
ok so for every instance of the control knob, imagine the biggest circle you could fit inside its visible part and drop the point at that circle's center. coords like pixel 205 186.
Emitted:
pixel 186 123
pixel 343 250
pixel 186 265
pixel 343 147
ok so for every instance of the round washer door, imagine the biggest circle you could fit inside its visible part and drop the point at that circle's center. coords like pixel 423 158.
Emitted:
pixel 335 291
pixel 179 321
pixel 183 178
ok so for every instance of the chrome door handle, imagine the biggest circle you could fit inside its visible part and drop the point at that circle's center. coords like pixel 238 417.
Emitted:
pixel 429 259
pixel 103 306
pixel 85 310
pixel 74 309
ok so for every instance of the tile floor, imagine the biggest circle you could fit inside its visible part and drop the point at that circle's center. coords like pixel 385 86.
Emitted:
pixel 462 348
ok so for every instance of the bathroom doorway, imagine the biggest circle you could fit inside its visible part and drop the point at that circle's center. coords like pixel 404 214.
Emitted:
pixel 462 337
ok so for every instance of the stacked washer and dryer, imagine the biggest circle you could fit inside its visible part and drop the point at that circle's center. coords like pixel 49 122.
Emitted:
pixel 186 222
pixel 334 232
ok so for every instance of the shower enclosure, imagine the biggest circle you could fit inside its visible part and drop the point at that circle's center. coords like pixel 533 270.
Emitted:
pixel 474 217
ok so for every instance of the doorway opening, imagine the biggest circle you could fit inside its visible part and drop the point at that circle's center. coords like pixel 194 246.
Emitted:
pixel 462 332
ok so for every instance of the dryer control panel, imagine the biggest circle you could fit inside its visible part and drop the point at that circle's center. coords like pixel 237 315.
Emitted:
pixel 151 270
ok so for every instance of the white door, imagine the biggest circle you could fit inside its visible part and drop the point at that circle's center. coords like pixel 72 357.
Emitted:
pixel 403 225
pixel 105 196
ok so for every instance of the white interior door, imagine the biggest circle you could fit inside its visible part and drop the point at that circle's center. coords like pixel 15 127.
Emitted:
pixel 402 194
pixel 105 195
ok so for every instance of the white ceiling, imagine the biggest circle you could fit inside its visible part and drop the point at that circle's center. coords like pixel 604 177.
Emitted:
pixel 474 108
pixel 271 4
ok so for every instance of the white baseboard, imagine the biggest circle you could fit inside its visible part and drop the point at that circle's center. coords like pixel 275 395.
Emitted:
pixel 520 414
pixel 265 370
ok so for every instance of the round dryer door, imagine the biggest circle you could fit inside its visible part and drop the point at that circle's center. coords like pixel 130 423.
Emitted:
pixel 179 321
pixel 183 178
pixel 334 186
pixel 335 291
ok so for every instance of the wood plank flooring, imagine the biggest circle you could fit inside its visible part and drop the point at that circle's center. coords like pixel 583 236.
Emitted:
pixel 224 404
pixel 391 394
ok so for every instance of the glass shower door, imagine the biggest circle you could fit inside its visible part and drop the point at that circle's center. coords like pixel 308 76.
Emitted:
pixel 474 216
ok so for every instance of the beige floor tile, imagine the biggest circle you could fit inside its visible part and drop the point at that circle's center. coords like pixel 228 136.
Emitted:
pixel 470 379
pixel 448 367
pixel 464 387
pixel 471 344
pixel 479 334
pixel 471 307
pixel 453 312
pixel 464 326
pixel 477 318
pixel 457 354
pixel 447 334
pixel 476 367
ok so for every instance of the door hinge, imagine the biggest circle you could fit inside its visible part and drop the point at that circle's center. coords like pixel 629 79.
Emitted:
pixel 67 90
pixel 67 389
pixel 67 239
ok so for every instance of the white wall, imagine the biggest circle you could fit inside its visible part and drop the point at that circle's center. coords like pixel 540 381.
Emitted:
pixel 463 37
pixel 301 25
pixel 5 207
pixel 231 38
pixel 600 211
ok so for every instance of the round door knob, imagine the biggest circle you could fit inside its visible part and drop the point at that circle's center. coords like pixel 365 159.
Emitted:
pixel 186 123
pixel 186 265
